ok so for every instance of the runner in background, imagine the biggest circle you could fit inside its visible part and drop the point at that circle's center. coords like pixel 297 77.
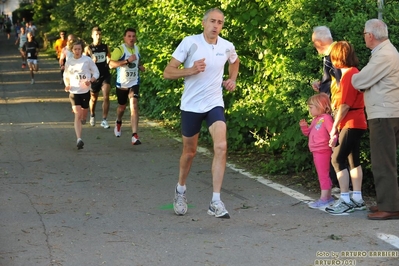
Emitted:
pixel 66 53
pixel 58 46
pixel 31 51
pixel 127 61
pixel 33 29
pixel 17 29
pixel 8 27
pixel 22 38
pixel 100 54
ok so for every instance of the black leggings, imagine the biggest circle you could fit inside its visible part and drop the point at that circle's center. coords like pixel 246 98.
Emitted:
pixel 348 149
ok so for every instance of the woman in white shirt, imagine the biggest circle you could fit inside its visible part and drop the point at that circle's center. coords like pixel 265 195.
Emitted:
pixel 80 72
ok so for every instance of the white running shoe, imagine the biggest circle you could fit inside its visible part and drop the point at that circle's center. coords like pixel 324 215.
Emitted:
pixel 218 209
pixel 32 81
pixel 117 130
pixel 104 124
pixel 92 121
pixel 180 203
pixel 135 140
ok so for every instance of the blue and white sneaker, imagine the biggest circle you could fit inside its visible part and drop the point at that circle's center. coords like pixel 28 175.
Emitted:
pixel 320 204
pixel 218 209
pixel 340 207
pixel 104 124
pixel 180 203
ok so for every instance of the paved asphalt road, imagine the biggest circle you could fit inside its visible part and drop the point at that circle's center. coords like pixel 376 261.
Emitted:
pixel 111 203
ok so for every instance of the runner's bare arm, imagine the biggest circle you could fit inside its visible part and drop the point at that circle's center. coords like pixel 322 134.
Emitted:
pixel 173 70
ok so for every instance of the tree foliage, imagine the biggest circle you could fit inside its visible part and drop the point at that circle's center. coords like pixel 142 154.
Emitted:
pixel 25 11
pixel 273 40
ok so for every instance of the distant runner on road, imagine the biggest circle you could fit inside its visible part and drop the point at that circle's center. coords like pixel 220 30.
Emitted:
pixel 21 40
pixel 100 54
pixel 31 51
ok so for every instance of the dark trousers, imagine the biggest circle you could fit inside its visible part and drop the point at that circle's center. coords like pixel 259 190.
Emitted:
pixel 384 141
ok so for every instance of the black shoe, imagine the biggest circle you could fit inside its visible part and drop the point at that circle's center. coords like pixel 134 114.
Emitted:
pixel 80 144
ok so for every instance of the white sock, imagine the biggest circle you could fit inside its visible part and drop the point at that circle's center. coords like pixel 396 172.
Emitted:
pixel 181 189
pixel 345 196
pixel 78 140
pixel 357 195
pixel 216 196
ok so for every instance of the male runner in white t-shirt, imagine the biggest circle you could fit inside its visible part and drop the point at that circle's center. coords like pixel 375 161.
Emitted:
pixel 204 57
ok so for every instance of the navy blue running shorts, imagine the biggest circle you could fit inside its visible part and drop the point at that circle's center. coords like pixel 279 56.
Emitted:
pixel 191 122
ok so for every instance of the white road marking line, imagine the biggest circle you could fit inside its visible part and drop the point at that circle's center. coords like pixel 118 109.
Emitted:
pixel 288 191
pixel 390 239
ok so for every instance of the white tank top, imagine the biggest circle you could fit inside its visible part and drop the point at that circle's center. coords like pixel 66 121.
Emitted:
pixel 128 75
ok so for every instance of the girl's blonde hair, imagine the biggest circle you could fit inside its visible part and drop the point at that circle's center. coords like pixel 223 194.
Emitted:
pixel 321 101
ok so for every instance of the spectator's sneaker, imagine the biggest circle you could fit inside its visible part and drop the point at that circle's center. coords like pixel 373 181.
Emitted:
pixel 104 124
pixel 117 130
pixel 340 207
pixel 321 204
pixel 135 140
pixel 80 144
pixel 217 209
pixel 92 121
pixel 180 203
pixel 358 205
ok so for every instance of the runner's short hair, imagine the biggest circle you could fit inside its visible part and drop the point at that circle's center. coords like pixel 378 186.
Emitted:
pixel 96 28
pixel 129 29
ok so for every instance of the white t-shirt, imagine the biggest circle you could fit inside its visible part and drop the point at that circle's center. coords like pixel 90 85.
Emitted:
pixel 68 53
pixel 32 29
pixel 78 71
pixel 203 91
